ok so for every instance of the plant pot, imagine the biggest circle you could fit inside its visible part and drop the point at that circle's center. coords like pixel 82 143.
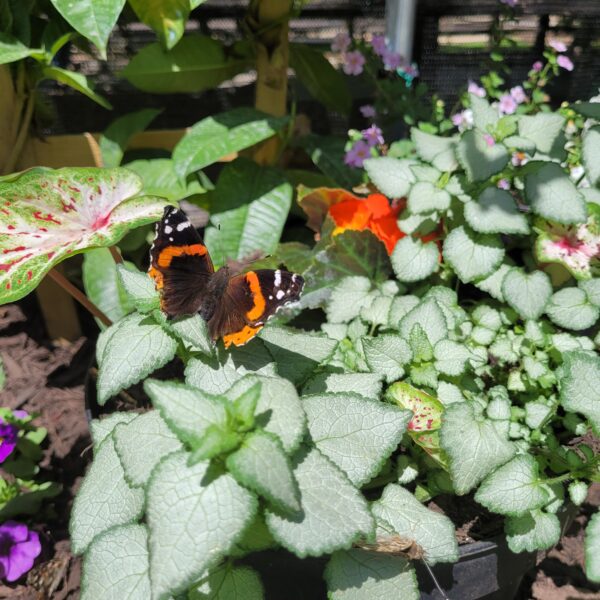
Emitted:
pixel 486 570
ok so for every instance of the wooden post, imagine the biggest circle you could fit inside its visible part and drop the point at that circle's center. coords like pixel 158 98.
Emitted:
pixel 7 114
pixel 269 20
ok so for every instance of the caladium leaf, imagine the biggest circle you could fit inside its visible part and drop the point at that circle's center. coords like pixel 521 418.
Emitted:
pixel 49 215
pixel 425 424
pixel 576 247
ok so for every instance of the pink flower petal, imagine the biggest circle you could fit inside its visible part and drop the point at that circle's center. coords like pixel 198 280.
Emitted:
pixel 564 62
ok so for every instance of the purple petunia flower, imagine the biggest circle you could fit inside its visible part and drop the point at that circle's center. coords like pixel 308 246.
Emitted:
pixel 558 46
pixel 378 44
pixel 507 105
pixel 354 62
pixel 18 549
pixel 341 42
pixel 518 94
pixel 356 156
pixel 8 439
pixel 392 60
pixel 368 111
pixel 475 89
pixel 537 66
pixel 372 136
pixel 565 62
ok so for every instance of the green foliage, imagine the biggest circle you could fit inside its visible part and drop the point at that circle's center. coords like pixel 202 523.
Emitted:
pixel 456 375
pixel 194 64
pixel 325 83
pixel 251 205
pixel 217 136
pixel 91 19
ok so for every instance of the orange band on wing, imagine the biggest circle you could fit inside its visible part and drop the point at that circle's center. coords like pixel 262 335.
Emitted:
pixel 157 276
pixel 170 252
pixel 239 338
pixel 257 296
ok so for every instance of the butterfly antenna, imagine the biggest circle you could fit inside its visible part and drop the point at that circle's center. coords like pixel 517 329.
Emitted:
pixel 220 246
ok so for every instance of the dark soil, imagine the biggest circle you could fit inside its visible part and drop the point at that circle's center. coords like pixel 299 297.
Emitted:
pixel 48 378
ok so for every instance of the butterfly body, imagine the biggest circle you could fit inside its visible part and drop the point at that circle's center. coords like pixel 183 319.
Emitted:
pixel 234 307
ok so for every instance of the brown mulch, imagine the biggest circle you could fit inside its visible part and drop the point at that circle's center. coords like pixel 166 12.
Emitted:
pixel 47 378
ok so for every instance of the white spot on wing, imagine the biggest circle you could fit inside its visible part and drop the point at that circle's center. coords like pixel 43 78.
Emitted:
pixel 280 294
pixel 168 229
pixel 183 225
pixel 277 278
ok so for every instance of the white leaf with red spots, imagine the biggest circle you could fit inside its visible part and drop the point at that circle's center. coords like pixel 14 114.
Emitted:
pixel 576 247
pixel 48 215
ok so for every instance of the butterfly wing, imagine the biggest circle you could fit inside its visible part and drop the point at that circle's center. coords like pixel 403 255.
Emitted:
pixel 179 264
pixel 249 300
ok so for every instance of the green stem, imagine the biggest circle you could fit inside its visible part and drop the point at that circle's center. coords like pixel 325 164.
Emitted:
pixel 66 285
pixel 22 136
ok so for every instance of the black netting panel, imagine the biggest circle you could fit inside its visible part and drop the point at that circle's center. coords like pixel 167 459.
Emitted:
pixel 451 39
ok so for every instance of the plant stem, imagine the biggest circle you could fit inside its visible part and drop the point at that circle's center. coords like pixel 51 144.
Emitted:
pixel 66 285
pixel 116 255
pixel 94 149
pixel 22 136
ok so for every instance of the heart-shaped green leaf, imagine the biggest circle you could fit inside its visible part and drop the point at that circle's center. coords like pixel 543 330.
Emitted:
pixel 528 294
pixel 495 212
pixel 479 159
pixel 471 255
pixel 49 215
pixel 554 196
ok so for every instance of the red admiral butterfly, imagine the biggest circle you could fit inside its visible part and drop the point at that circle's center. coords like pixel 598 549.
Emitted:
pixel 235 307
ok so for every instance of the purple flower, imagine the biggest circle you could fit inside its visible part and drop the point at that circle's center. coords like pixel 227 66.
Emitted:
pixel 378 44
pixel 511 3
pixel 457 119
pixel 489 139
pixel 372 136
pixel 537 66
pixel 507 105
pixel 463 119
pixel 565 62
pixel 475 89
pixel 519 159
pixel 20 414
pixel 8 439
pixel 341 42
pixel 18 549
pixel 368 111
pixel 392 60
pixel 354 62
pixel 355 157
pixel 518 94
pixel 412 70
pixel 558 46
pixel 503 184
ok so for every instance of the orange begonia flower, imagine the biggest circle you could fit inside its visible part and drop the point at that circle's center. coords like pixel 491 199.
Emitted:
pixel 373 213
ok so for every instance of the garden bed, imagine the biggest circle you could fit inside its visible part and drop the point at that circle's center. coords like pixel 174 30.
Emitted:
pixel 48 378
